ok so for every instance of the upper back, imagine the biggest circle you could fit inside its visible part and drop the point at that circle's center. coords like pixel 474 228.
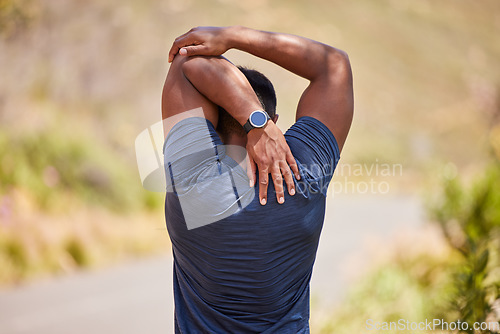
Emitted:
pixel 244 258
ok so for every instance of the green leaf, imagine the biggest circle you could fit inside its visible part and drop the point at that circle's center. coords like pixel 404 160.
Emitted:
pixel 482 261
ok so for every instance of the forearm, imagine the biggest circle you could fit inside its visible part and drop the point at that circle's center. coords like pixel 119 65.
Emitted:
pixel 223 84
pixel 304 57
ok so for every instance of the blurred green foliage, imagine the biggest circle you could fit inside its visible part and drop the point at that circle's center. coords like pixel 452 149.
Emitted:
pixel 463 285
pixel 409 288
pixel 470 221
pixel 15 15
pixel 54 164
pixel 76 249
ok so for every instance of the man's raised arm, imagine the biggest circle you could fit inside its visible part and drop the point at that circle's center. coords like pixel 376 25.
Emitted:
pixel 205 82
pixel 329 96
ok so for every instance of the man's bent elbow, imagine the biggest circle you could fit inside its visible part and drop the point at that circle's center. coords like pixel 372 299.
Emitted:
pixel 198 65
pixel 186 64
pixel 338 62
pixel 190 65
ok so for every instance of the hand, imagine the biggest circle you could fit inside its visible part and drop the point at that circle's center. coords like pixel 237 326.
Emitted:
pixel 268 149
pixel 201 41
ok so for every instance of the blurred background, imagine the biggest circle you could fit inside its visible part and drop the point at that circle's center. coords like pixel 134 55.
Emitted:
pixel 412 227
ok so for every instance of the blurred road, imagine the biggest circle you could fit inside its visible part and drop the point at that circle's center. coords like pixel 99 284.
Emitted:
pixel 354 225
pixel 136 297
pixel 132 298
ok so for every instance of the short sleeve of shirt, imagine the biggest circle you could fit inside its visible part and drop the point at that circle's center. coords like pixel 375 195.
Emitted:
pixel 210 185
pixel 191 145
pixel 316 151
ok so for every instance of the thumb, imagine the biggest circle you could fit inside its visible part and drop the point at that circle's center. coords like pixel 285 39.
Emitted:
pixel 192 50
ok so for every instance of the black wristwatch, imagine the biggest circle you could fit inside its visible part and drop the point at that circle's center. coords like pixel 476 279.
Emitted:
pixel 257 119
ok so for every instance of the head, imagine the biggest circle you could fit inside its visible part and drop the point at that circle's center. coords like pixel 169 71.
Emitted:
pixel 263 88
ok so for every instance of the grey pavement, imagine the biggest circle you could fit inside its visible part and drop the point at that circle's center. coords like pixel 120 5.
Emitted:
pixel 136 297
pixel 350 223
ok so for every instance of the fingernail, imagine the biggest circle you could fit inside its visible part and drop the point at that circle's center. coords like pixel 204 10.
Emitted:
pixel 263 201
pixel 281 200
pixel 182 52
pixel 297 176
pixel 292 191
pixel 251 183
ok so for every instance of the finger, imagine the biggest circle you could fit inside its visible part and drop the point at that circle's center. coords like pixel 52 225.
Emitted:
pixel 179 42
pixel 173 51
pixel 251 169
pixel 193 50
pixel 278 184
pixel 263 183
pixel 293 164
pixel 287 175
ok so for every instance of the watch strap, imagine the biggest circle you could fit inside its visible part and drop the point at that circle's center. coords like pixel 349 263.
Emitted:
pixel 248 126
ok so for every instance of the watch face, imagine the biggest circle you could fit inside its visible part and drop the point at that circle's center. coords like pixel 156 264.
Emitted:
pixel 258 119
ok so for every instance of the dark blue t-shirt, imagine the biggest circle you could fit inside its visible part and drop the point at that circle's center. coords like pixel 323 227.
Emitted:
pixel 240 267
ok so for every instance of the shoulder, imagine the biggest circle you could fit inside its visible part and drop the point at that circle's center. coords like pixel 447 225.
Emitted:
pixel 309 132
pixel 316 151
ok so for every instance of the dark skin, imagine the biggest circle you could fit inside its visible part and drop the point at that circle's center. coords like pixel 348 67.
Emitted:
pixel 199 77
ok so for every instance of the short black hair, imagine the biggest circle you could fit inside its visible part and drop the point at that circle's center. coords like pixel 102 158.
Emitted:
pixel 264 90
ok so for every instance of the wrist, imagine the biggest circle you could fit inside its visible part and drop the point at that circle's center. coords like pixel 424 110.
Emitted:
pixel 257 132
pixel 235 36
pixel 257 119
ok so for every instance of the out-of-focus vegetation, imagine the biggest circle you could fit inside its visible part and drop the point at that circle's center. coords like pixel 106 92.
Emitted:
pixel 408 287
pixel 70 195
pixel 15 16
pixel 57 168
pixel 461 285
pixel 470 221
pixel 55 185
pixel 33 246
